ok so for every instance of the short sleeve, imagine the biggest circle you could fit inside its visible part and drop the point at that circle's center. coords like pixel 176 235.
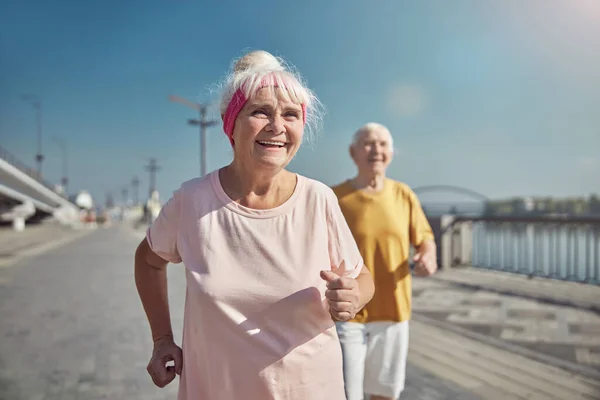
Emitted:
pixel 342 246
pixel 162 234
pixel 419 229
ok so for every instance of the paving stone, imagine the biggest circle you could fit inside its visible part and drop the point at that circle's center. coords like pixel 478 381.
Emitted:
pixel 534 314
pixel 593 329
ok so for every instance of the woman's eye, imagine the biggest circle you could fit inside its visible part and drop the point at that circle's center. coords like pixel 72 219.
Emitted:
pixel 292 114
pixel 259 113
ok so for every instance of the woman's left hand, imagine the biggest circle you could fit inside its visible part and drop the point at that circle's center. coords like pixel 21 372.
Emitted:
pixel 343 295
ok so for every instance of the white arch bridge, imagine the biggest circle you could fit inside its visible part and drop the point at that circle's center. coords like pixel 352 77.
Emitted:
pixel 474 205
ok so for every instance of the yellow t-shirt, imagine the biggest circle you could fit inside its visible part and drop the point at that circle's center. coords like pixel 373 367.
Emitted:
pixel 384 225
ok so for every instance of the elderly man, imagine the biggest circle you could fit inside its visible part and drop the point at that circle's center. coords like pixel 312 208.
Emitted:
pixel 385 218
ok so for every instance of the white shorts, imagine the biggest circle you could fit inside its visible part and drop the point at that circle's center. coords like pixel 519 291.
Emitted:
pixel 374 358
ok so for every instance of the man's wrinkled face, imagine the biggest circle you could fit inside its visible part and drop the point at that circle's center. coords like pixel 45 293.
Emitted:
pixel 373 152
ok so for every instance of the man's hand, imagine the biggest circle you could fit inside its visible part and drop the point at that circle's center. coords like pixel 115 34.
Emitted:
pixel 343 294
pixel 425 263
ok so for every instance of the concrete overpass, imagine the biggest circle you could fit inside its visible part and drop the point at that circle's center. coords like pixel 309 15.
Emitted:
pixel 19 186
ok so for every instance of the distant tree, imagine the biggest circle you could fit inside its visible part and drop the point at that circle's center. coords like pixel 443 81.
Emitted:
pixel 581 206
pixel 489 208
pixel 517 205
pixel 594 204
pixel 551 205
pixel 109 203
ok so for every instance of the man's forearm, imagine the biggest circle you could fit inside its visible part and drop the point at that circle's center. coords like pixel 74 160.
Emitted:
pixel 366 287
pixel 429 247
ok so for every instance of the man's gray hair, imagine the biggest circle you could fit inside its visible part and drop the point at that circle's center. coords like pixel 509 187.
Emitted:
pixel 371 126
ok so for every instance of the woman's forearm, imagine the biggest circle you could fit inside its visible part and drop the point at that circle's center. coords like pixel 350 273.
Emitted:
pixel 151 282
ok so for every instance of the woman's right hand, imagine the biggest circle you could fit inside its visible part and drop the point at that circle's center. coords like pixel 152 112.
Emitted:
pixel 165 350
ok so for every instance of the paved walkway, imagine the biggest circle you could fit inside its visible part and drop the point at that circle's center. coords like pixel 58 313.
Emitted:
pixel 583 296
pixel 35 239
pixel 491 372
pixel 73 327
pixel 517 336
pixel 491 304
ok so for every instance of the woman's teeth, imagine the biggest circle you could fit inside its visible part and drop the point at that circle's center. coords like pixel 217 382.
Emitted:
pixel 268 143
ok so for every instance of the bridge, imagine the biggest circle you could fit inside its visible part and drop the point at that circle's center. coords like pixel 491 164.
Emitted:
pixel 475 205
pixel 452 189
pixel 25 196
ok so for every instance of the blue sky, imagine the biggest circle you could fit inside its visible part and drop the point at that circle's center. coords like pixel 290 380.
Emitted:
pixel 498 96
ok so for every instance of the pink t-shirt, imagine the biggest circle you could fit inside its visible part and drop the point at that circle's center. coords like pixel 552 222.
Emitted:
pixel 256 322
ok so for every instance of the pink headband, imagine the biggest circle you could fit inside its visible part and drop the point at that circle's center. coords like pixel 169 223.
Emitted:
pixel 235 106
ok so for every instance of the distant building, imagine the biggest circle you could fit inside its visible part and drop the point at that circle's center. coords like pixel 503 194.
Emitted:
pixel 84 200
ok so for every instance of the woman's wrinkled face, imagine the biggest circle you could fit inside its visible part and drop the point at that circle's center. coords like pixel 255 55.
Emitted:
pixel 268 130
pixel 373 152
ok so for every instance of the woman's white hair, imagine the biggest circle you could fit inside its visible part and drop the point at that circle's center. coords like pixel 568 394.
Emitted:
pixel 370 127
pixel 250 73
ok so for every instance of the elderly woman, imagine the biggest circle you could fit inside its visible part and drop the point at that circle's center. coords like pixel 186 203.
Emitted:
pixel 385 218
pixel 270 262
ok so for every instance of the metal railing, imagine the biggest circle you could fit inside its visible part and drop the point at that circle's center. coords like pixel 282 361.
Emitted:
pixel 21 166
pixel 566 248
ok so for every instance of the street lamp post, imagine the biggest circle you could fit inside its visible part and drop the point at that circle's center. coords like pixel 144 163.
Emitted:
pixel 109 202
pixel 36 103
pixel 124 193
pixel 152 168
pixel 64 181
pixel 135 184
pixel 202 122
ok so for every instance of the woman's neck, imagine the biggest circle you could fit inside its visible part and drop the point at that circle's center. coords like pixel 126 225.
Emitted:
pixel 257 189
